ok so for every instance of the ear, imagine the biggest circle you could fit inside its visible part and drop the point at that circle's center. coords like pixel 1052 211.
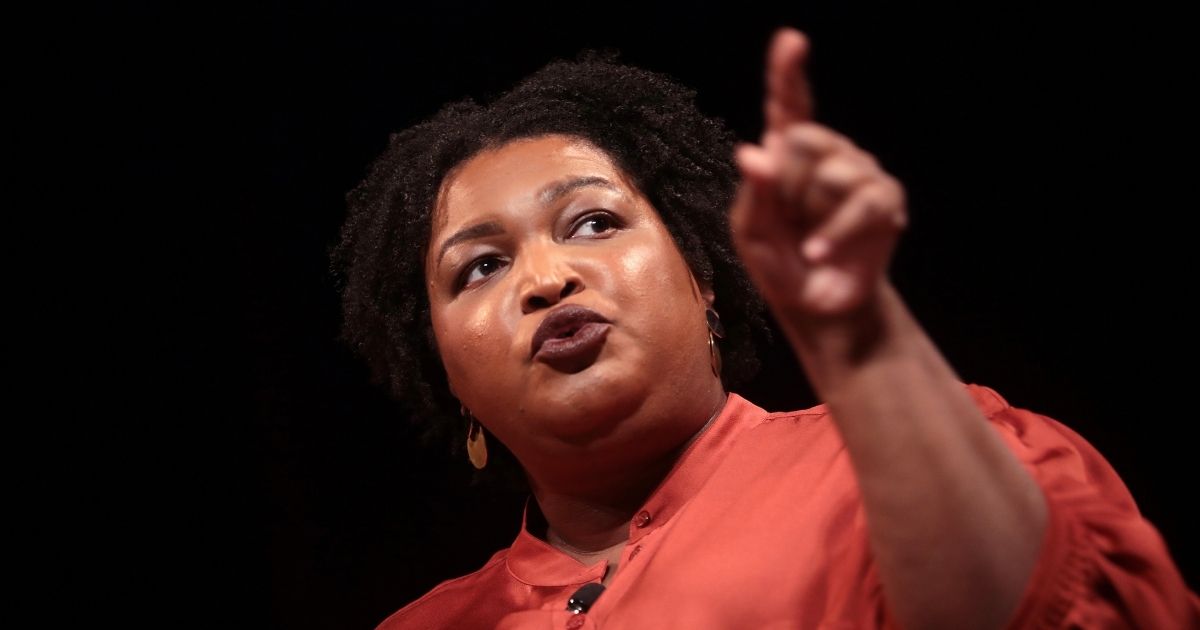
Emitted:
pixel 703 290
pixel 706 292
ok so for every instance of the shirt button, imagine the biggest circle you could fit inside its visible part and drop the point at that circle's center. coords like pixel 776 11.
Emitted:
pixel 576 621
pixel 642 519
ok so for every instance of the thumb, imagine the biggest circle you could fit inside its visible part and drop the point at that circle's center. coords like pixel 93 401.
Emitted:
pixel 777 272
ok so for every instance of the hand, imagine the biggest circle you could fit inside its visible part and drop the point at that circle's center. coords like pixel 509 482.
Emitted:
pixel 816 218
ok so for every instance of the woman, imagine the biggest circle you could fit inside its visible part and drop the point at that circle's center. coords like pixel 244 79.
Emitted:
pixel 563 260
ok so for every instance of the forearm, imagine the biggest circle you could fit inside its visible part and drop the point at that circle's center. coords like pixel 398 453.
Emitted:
pixel 955 521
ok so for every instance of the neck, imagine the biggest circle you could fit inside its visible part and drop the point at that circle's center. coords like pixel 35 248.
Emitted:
pixel 589 512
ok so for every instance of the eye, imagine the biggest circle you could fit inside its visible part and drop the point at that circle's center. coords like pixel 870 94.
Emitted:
pixel 595 224
pixel 480 270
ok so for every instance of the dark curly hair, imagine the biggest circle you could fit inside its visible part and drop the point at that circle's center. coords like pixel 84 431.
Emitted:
pixel 648 124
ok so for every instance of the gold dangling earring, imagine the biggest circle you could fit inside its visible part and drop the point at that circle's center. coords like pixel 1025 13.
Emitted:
pixel 715 331
pixel 476 443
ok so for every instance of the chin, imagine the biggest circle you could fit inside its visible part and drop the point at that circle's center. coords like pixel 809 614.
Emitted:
pixel 590 404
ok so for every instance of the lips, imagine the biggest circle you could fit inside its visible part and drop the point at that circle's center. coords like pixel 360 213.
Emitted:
pixel 570 337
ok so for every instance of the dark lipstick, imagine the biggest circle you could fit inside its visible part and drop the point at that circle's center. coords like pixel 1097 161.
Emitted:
pixel 570 337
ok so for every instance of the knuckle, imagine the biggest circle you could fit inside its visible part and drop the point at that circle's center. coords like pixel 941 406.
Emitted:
pixel 875 210
pixel 811 137
pixel 839 172
pixel 878 204
pixel 884 203
pixel 837 178
pixel 886 192
pixel 875 197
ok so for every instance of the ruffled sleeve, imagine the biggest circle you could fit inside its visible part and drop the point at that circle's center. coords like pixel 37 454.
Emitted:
pixel 1101 565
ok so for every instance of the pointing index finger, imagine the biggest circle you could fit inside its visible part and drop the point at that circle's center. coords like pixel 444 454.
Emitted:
pixel 789 99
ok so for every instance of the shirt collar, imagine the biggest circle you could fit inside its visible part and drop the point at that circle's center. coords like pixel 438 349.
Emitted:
pixel 533 561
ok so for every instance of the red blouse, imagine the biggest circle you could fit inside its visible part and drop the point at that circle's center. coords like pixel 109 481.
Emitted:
pixel 760 525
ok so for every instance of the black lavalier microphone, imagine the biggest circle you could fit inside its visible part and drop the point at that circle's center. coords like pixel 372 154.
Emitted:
pixel 584 598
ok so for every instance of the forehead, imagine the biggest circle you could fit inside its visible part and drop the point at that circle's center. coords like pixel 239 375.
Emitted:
pixel 516 173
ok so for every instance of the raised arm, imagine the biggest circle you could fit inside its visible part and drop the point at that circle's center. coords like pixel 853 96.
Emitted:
pixel 955 520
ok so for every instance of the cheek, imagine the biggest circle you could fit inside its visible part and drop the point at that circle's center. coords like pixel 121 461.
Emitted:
pixel 472 341
pixel 640 276
pixel 656 270
pixel 656 282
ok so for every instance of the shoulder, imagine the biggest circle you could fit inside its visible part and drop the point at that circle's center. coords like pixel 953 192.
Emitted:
pixel 1042 443
pixel 453 603
pixel 1050 450
pixel 1101 562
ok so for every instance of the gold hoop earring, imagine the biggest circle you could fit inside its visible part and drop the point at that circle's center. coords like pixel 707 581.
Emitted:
pixel 715 331
pixel 476 442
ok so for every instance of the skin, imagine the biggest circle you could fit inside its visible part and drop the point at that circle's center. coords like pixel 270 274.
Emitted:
pixel 595 442
pixel 955 522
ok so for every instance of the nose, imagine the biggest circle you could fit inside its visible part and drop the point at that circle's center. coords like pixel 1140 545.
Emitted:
pixel 548 278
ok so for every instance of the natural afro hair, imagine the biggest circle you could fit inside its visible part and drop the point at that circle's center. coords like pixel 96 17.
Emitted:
pixel 681 160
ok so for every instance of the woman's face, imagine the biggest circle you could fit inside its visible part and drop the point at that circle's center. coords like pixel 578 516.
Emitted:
pixel 564 313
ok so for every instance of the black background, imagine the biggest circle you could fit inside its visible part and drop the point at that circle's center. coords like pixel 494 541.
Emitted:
pixel 235 468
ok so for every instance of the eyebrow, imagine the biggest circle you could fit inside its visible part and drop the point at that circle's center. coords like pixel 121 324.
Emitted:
pixel 557 190
pixel 479 230
pixel 546 195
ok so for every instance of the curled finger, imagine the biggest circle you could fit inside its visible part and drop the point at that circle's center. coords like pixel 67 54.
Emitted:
pixel 798 152
pixel 835 179
pixel 756 210
pixel 876 207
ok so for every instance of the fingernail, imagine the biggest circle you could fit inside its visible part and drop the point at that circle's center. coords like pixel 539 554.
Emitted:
pixel 815 249
pixel 754 161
